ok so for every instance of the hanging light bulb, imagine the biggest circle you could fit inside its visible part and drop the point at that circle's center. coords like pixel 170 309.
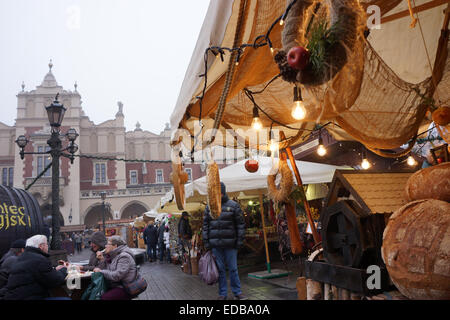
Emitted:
pixel 321 151
pixel 411 161
pixel 365 164
pixel 298 109
pixel 256 123
pixel 273 146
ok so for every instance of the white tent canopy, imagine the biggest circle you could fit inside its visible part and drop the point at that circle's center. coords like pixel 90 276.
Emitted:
pixel 236 178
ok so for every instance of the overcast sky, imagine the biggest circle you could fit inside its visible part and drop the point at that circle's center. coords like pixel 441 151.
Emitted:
pixel 134 51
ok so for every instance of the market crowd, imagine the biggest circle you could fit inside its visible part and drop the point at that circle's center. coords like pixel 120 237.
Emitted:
pixel 26 272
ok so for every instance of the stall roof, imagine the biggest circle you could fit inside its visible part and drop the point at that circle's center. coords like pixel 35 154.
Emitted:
pixel 402 52
pixel 237 179
pixel 376 192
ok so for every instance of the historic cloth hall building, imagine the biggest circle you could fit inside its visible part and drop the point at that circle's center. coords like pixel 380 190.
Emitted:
pixel 132 187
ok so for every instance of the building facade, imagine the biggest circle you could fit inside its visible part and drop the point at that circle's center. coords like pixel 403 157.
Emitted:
pixel 132 187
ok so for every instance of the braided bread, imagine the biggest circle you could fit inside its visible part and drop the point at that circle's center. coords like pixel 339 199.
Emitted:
pixel 178 178
pixel 286 184
pixel 214 194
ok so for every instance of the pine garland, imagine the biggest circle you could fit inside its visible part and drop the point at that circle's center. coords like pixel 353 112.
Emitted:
pixel 320 40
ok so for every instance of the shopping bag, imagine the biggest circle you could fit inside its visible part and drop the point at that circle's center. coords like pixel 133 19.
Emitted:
pixel 207 269
pixel 96 288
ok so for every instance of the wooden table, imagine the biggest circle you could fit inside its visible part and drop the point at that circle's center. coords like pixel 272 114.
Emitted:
pixel 74 294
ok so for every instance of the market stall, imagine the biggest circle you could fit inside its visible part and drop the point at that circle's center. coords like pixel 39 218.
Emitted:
pixel 290 69
pixel 249 189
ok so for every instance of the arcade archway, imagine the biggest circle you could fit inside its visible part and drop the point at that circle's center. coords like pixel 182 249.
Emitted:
pixel 94 215
pixel 133 210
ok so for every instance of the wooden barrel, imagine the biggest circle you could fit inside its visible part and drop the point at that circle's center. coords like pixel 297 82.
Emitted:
pixel 350 236
pixel 20 216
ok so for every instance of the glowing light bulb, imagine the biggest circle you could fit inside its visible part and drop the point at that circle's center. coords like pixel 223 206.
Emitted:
pixel 273 146
pixel 411 161
pixel 271 50
pixel 281 22
pixel 365 164
pixel 298 110
pixel 321 151
pixel 256 124
pixel 250 203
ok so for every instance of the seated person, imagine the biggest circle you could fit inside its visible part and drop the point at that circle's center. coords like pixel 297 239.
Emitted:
pixel 33 275
pixel 117 266
pixel 98 243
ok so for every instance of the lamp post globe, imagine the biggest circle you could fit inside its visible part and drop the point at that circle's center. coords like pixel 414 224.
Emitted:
pixel 55 113
pixel 21 141
pixel 72 134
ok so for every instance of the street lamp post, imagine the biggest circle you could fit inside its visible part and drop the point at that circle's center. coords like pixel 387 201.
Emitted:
pixel 103 196
pixel 55 114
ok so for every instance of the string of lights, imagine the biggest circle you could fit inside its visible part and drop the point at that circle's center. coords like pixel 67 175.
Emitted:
pixel 39 175
pixel 120 159
pixel 260 41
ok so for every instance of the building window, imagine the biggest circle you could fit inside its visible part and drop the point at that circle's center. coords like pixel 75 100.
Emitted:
pixel 189 172
pixel 7 176
pixel 42 161
pixel 159 176
pixel 133 177
pixel 100 173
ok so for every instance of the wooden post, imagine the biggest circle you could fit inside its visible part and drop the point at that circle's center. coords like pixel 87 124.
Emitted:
pixel 300 184
pixel 261 206
pixel 313 290
pixel 327 291
pixel 344 294
pixel 301 288
pixel 335 292
pixel 355 296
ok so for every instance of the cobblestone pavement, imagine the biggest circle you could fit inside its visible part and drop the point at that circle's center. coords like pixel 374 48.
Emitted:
pixel 168 282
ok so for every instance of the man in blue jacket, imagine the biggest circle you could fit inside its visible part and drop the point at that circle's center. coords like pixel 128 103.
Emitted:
pixel 224 236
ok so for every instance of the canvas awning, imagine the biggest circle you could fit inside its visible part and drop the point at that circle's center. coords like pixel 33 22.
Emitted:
pixel 241 183
pixel 403 52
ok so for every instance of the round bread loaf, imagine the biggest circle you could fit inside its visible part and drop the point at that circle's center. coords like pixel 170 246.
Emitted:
pixel 416 249
pixel 429 183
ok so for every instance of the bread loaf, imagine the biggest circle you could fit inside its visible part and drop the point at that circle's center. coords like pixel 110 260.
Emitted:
pixel 429 183
pixel 214 196
pixel 416 249
pixel 294 233
pixel 286 183
pixel 178 178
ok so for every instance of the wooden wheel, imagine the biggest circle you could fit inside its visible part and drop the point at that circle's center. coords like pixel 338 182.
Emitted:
pixel 351 237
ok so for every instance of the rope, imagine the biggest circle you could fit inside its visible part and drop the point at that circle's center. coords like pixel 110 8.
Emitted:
pixel 231 68
pixel 433 77
pixel 411 14
pixel 40 175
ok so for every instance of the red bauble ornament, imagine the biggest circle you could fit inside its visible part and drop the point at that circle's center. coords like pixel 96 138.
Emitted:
pixel 298 58
pixel 251 165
